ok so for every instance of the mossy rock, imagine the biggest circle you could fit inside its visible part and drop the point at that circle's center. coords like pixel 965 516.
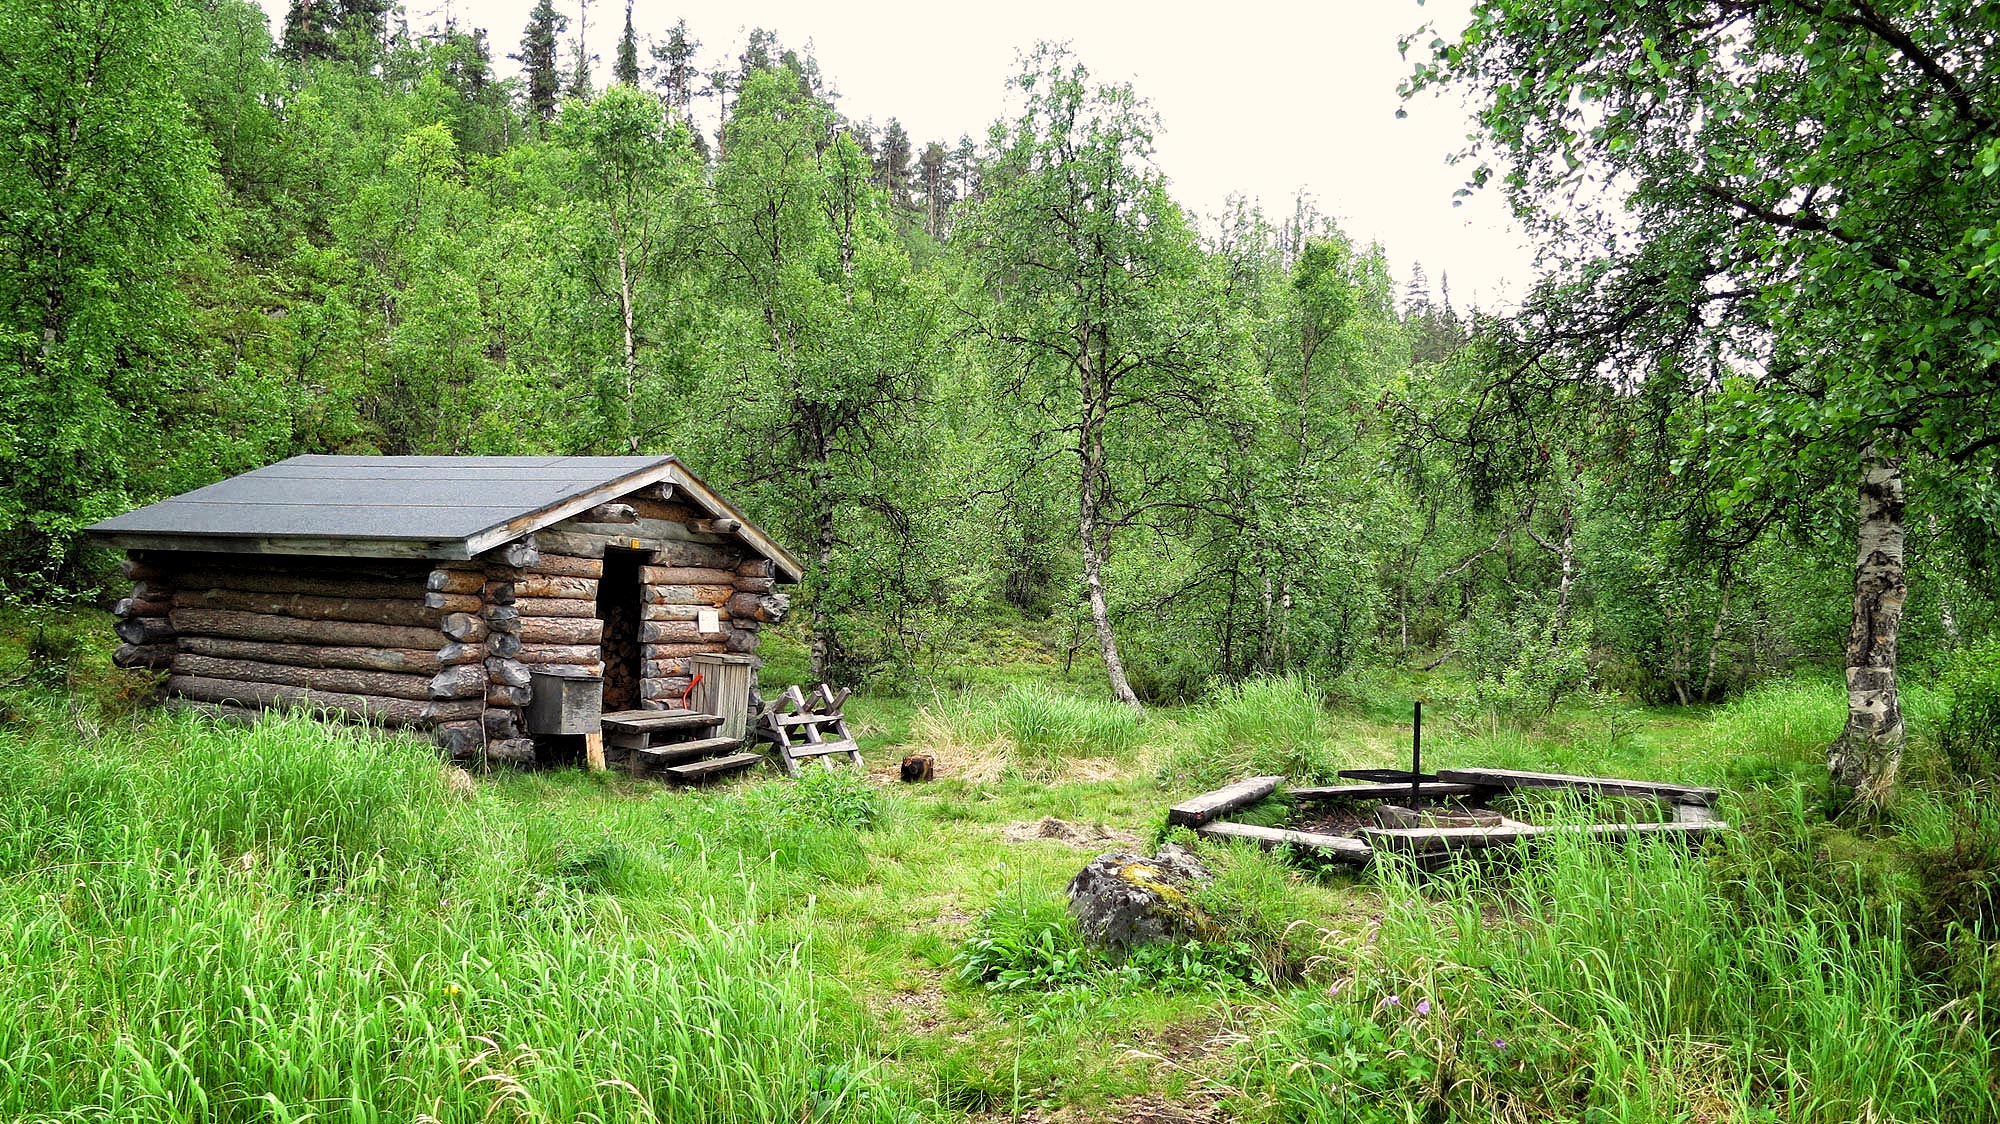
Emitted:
pixel 1122 900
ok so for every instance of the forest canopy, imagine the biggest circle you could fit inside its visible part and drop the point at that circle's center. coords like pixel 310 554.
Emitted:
pixel 1007 380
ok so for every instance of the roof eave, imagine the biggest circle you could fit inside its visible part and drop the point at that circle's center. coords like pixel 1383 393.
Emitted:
pixel 344 546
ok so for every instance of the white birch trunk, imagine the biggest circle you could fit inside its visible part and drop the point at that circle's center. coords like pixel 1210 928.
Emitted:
pixel 1868 753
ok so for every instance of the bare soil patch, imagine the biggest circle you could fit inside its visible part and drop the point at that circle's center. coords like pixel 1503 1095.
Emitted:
pixel 1063 831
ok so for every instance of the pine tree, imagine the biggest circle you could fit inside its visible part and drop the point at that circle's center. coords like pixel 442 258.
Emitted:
pixel 676 70
pixel 626 69
pixel 935 171
pixel 538 57
pixel 892 165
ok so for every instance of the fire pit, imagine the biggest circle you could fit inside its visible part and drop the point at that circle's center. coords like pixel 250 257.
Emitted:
pixel 1451 818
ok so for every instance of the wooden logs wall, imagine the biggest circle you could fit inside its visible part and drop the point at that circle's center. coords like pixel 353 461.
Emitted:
pixel 363 637
pixel 446 646
pixel 680 579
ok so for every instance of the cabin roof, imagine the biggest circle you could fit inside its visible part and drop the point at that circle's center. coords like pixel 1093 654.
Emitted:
pixel 408 507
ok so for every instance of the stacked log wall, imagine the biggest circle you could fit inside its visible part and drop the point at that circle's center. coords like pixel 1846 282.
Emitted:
pixel 145 626
pixel 379 640
pixel 503 725
pixel 689 568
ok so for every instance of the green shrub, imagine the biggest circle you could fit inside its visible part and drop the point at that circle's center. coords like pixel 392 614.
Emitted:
pixel 835 798
pixel 1259 727
pixel 1521 668
pixel 1968 733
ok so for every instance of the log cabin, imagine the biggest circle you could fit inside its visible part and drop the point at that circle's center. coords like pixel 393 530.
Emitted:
pixel 512 607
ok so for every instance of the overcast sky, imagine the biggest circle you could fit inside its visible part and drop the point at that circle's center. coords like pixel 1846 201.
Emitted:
pixel 1257 98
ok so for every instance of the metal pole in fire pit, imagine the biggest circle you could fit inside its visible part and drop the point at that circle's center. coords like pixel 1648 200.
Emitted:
pixel 1417 756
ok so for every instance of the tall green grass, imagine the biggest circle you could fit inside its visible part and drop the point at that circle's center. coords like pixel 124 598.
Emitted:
pixel 302 922
pixel 1637 983
pixel 1031 729
pixel 1275 725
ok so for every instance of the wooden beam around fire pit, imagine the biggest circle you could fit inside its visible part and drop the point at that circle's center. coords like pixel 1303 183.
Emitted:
pixel 1198 810
pixel 1608 786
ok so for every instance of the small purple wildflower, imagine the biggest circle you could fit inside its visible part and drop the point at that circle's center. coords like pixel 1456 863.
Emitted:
pixel 1338 986
pixel 1423 1007
pixel 1500 1044
pixel 1389 1001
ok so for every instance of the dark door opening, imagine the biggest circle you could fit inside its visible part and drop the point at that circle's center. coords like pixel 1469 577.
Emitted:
pixel 618 608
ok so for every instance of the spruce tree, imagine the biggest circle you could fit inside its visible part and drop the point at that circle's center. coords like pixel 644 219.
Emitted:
pixel 538 57
pixel 309 30
pixel 626 68
pixel 892 165
pixel 935 170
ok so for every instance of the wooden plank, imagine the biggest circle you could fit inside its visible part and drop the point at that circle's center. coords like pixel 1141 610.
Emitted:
pixel 713 767
pixel 1608 786
pixel 682 751
pixel 1435 840
pixel 646 721
pixel 1431 789
pixel 807 719
pixel 1199 810
pixel 1344 847
pixel 821 749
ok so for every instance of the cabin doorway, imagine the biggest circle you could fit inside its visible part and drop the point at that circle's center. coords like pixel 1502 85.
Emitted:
pixel 618 606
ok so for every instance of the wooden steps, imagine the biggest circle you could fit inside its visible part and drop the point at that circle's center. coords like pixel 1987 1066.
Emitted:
pixel 675 744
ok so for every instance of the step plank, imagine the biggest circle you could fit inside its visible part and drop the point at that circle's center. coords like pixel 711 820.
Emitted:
pixel 646 721
pixel 807 719
pixel 1198 810
pixel 714 766
pixel 1343 847
pixel 682 751
pixel 1608 786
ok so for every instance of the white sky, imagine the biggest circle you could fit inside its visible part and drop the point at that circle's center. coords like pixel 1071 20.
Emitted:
pixel 1256 97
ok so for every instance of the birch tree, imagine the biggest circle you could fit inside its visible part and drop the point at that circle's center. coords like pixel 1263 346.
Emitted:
pixel 1778 213
pixel 1093 268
